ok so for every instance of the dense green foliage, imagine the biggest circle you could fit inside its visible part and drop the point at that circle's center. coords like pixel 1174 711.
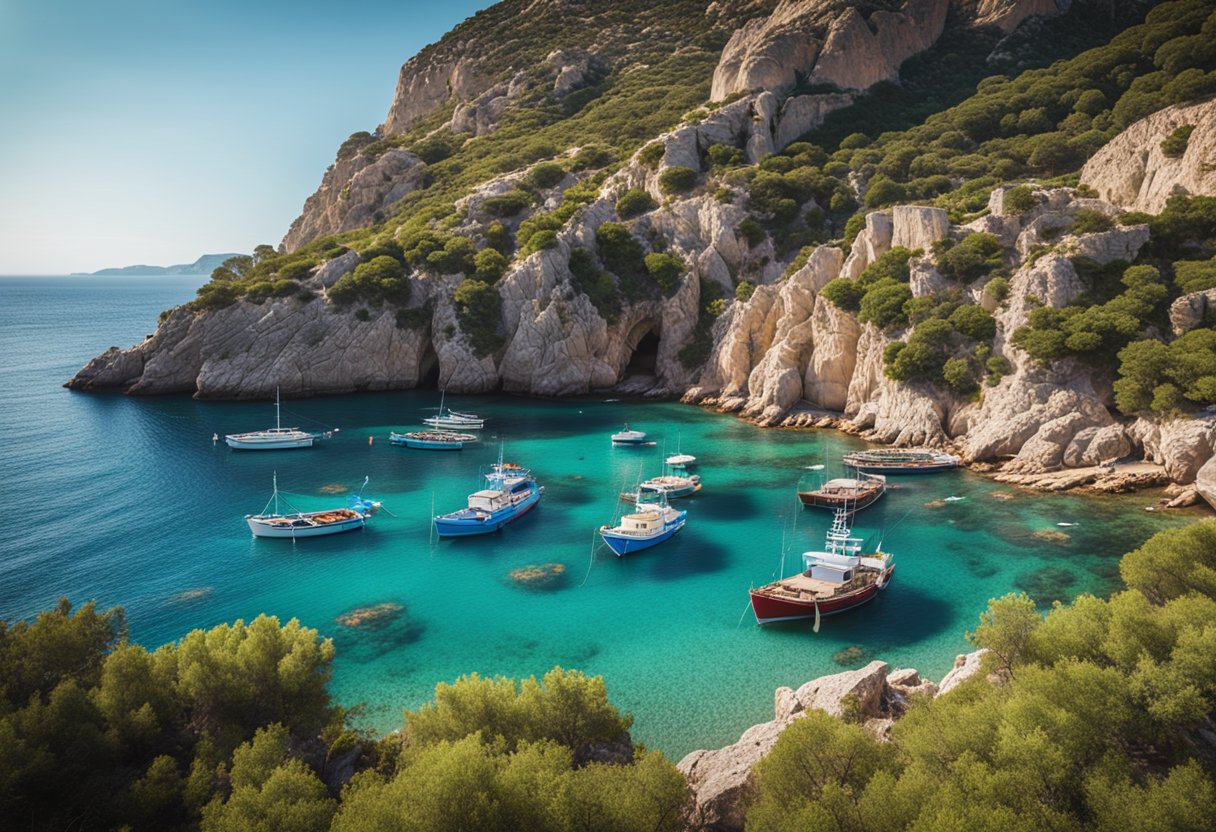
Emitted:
pixel 677 180
pixel 479 308
pixel 96 732
pixel 376 281
pixel 1092 721
pixel 879 293
pixel 1175 144
pixel 634 202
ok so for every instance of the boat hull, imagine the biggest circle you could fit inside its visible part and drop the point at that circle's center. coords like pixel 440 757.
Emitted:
pixel 424 444
pixel 880 468
pixel 268 445
pixel 813 499
pixel 261 529
pixel 622 545
pixel 769 610
pixel 447 526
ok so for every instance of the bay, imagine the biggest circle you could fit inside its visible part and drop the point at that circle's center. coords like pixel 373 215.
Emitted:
pixel 128 501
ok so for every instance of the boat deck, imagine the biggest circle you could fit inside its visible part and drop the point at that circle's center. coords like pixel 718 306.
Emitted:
pixel 803 587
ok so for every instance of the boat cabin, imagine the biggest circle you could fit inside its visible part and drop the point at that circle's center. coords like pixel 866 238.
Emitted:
pixel 831 573
pixel 647 521
pixel 488 500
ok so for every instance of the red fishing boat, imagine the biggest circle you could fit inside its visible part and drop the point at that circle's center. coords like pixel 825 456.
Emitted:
pixel 837 579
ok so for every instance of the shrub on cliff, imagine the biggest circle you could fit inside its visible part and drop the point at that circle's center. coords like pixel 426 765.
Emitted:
pixel 1175 144
pixel 479 311
pixel 665 269
pixel 508 204
pixel 545 175
pixel 634 202
pixel 677 180
pixel 377 281
pixel 1168 378
pixel 597 285
pixel 975 255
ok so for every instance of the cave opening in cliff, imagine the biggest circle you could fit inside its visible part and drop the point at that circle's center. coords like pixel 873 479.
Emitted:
pixel 428 368
pixel 645 356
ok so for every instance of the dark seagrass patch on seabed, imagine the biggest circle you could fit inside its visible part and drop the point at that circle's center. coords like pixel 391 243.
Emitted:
pixel 1046 585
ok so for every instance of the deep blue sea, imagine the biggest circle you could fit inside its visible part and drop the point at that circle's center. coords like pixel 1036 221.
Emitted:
pixel 128 501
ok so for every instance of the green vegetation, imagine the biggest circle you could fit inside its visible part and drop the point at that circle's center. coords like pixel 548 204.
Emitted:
pixel 972 257
pixel 479 311
pixel 879 293
pixel 378 281
pixel 1019 200
pixel 1168 378
pixel 545 175
pixel 1175 144
pixel 696 352
pixel 1093 722
pixel 508 204
pixel 598 285
pixel 676 180
pixel 1098 331
pixel 744 291
pixel 666 270
pixel 634 202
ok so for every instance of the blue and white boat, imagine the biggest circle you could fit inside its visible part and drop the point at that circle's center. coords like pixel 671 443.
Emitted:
pixel 652 522
pixel 670 486
pixel 510 493
pixel 630 437
pixel 432 440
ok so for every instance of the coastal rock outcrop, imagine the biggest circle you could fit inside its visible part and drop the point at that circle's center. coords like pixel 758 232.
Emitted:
pixel 355 191
pixel 1139 171
pixel 875 696
pixel 825 45
pixel 1007 15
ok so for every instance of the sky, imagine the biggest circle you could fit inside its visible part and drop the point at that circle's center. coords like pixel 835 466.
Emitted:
pixel 155 131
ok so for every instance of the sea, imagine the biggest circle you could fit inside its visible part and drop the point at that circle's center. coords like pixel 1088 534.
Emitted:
pixel 130 502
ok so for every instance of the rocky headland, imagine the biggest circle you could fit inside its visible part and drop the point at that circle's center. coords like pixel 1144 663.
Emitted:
pixel 722 781
pixel 782 356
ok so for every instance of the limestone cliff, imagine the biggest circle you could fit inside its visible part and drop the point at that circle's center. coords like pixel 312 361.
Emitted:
pixel 1139 171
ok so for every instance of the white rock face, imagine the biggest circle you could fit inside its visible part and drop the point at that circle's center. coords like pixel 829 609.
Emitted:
pixel 1007 15
pixel 352 192
pixel 1133 172
pixel 1188 311
pixel 965 667
pixel 802 38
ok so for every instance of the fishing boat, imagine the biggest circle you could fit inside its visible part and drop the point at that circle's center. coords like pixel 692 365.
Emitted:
pixel 901 461
pixel 432 440
pixel 651 522
pixel 670 486
pixel 834 580
pixel 510 493
pixel 850 493
pixel 275 438
pixel 295 524
pixel 630 437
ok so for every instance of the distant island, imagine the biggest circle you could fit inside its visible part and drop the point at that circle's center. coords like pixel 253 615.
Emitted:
pixel 204 265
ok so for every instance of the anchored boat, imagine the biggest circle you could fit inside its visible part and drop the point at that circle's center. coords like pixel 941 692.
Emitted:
pixel 850 493
pixel 432 440
pixel 630 437
pixel 652 522
pixel 310 523
pixel 510 493
pixel 834 580
pixel 669 485
pixel 901 461
pixel 276 438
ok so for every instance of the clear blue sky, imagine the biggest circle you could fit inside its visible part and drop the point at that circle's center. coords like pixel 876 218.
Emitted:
pixel 153 131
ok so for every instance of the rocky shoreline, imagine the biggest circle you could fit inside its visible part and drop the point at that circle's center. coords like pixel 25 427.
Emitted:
pixel 721 781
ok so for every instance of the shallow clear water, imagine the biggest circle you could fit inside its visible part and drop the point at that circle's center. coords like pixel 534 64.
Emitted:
pixel 128 501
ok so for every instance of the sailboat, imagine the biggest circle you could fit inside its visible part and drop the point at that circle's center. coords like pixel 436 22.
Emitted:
pixel 275 438
pixel 837 579
pixel 452 420
pixel 678 459
pixel 311 523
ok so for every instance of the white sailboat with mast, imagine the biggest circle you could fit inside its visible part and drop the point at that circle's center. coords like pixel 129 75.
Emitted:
pixel 276 438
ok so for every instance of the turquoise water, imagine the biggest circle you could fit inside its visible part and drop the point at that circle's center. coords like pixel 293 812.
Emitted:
pixel 128 501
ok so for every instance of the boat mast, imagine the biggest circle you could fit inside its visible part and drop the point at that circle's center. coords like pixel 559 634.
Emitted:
pixel 275 476
pixel 278 421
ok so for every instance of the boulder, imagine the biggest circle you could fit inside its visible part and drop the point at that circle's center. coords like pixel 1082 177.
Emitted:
pixel 1205 482
pixel 918 226
pixel 1007 15
pixel 965 667
pixel 1188 311
pixel 854 693
pixel 860 52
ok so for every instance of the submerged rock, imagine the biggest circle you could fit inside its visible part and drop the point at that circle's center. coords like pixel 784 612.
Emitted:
pixel 372 617
pixel 542 576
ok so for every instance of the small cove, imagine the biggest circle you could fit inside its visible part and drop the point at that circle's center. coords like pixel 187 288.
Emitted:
pixel 138 507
